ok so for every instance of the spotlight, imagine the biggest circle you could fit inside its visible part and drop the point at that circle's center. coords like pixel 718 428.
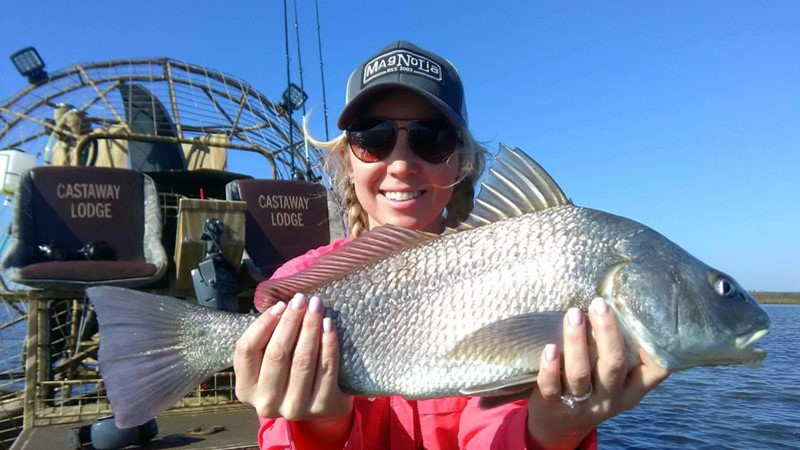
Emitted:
pixel 30 64
pixel 293 98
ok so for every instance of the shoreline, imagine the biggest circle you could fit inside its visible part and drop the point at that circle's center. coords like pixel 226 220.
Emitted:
pixel 777 298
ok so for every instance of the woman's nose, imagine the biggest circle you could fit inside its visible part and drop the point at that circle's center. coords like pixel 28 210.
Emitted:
pixel 402 160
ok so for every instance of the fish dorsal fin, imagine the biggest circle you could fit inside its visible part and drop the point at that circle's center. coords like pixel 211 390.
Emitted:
pixel 371 246
pixel 515 185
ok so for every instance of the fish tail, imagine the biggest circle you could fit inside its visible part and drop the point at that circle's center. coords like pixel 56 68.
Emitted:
pixel 142 357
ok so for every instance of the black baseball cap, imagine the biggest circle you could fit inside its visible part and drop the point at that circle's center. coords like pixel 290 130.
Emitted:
pixel 403 65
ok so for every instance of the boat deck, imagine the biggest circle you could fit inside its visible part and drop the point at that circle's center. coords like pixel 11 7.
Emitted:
pixel 176 431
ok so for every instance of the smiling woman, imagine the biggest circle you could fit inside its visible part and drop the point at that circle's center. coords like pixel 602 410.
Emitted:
pixel 406 158
pixel 402 188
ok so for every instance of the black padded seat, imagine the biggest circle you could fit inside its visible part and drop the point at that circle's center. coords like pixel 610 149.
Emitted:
pixel 283 219
pixel 68 208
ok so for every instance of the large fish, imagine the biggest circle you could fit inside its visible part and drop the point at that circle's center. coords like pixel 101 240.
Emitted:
pixel 464 313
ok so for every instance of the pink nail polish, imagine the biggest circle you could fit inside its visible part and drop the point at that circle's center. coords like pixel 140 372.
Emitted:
pixel 599 306
pixel 298 301
pixel 327 324
pixel 277 309
pixel 315 305
pixel 550 352
pixel 575 317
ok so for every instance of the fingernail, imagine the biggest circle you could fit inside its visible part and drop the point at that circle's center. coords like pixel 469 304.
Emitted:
pixel 575 317
pixel 599 305
pixel 298 301
pixel 327 324
pixel 277 309
pixel 315 305
pixel 550 352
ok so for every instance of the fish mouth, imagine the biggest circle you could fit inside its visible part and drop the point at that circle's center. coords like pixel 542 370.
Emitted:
pixel 744 353
pixel 745 340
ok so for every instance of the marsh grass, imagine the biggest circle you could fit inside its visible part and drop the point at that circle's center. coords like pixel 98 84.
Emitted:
pixel 781 298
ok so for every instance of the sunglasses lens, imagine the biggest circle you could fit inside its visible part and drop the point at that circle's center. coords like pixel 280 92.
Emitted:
pixel 431 141
pixel 372 141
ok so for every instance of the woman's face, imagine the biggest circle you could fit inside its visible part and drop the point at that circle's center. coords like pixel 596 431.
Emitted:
pixel 403 189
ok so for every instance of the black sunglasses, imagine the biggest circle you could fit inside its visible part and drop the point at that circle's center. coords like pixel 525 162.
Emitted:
pixel 432 141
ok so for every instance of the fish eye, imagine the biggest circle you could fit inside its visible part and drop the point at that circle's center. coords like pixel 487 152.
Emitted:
pixel 723 287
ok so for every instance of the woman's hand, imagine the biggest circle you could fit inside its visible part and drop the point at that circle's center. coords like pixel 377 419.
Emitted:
pixel 614 388
pixel 287 365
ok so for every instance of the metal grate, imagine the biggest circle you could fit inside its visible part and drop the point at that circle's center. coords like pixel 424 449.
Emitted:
pixel 13 321
pixel 196 102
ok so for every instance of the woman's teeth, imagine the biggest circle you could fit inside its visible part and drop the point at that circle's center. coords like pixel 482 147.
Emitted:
pixel 400 196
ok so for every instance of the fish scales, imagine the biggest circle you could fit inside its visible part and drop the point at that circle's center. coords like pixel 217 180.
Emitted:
pixel 216 334
pixel 399 317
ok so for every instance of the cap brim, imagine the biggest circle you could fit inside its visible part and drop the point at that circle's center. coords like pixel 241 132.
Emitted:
pixel 363 98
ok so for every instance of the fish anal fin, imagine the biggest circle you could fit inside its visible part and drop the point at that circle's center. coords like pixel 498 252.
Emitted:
pixel 489 402
pixel 502 392
pixel 374 245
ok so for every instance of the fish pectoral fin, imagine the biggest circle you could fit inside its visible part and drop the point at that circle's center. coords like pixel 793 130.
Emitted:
pixel 502 392
pixel 515 342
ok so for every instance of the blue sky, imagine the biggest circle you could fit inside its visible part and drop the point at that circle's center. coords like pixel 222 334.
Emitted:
pixel 683 115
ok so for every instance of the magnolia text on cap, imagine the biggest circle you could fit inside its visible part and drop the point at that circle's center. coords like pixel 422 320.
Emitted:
pixel 402 61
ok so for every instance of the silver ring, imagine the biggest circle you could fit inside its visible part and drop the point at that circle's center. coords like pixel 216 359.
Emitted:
pixel 573 400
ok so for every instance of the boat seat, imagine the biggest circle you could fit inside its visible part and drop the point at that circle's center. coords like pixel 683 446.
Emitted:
pixel 283 219
pixel 74 227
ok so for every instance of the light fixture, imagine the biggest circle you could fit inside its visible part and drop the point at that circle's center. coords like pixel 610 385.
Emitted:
pixel 30 64
pixel 293 98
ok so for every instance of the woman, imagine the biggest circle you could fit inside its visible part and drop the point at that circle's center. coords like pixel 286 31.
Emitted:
pixel 407 158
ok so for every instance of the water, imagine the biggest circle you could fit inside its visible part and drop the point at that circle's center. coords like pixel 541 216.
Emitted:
pixel 735 407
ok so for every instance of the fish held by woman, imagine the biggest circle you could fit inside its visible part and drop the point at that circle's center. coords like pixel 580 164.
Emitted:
pixel 463 313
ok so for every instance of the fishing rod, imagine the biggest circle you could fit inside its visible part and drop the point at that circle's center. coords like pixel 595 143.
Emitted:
pixel 322 72
pixel 302 87
pixel 288 83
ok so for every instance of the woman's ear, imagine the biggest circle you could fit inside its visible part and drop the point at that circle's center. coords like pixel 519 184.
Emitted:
pixel 348 166
pixel 348 170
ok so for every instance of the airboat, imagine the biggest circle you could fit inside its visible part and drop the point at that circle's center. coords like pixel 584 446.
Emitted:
pixel 117 173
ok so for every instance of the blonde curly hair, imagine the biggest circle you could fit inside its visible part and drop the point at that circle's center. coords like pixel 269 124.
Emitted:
pixel 473 161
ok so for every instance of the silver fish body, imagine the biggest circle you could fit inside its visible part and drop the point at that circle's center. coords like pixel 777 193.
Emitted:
pixel 465 313
pixel 401 319
pixel 413 323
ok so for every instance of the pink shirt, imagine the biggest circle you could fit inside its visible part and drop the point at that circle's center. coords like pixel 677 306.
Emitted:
pixel 399 424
